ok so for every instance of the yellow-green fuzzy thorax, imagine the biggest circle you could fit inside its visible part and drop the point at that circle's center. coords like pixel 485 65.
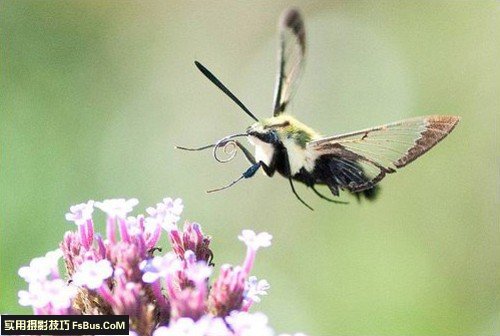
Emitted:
pixel 289 127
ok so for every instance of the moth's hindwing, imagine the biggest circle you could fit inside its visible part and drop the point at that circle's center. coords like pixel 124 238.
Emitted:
pixel 363 158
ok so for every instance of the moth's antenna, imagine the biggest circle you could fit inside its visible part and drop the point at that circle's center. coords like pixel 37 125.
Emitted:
pixel 223 88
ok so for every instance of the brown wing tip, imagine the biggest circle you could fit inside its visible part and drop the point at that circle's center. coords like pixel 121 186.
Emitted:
pixel 445 122
pixel 292 19
pixel 436 129
pixel 289 16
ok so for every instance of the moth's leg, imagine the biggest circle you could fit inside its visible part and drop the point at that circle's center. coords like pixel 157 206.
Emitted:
pixel 327 198
pixel 247 174
pixel 271 168
pixel 268 169
pixel 246 152
pixel 291 182
pixel 297 195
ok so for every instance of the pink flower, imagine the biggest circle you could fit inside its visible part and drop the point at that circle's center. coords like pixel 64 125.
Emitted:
pixel 253 242
pixel 191 239
pixel 227 291
pixel 163 294
pixel 81 215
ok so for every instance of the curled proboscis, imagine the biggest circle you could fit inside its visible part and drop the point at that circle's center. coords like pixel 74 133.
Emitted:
pixel 228 146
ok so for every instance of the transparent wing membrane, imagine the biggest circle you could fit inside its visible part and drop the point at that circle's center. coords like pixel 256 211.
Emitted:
pixel 380 150
pixel 291 54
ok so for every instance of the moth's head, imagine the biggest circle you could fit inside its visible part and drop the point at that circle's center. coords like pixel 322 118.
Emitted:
pixel 282 127
pixel 271 130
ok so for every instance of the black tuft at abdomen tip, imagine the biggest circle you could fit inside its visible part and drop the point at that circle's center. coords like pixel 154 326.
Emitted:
pixel 369 194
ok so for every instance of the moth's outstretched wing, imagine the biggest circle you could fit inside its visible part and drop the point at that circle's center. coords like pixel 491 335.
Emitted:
pixel 364 157
pixel 291 52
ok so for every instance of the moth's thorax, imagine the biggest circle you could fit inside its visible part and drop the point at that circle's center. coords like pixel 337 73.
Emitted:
pixel 288 131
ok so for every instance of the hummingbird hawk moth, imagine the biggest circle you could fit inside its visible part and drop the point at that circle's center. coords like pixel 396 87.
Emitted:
pixel 354 162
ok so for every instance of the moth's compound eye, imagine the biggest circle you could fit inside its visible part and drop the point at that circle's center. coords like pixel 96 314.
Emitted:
pixel 274 136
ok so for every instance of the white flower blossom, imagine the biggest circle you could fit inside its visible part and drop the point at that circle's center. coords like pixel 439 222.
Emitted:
pixel 159 267
pixel 254 288
pixel 166 213
pixel 40 294
pixel 35 296
pixel 80 213
pixel 198 272
pixel 117 208
pixel 185 326
pixel 38 269
pixel 92 274
pixel 255 241
pixel 247 324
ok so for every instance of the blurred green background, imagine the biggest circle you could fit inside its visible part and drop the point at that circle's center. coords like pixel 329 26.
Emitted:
pixel 94 95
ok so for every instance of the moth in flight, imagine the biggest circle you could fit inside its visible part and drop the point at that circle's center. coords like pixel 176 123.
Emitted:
pixel 353 162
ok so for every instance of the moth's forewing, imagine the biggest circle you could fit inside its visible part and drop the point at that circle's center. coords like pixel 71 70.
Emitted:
pixel 291 53
pixel 437 128
pixel 377 151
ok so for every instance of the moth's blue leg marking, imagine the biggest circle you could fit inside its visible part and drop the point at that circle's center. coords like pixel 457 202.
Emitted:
pixel 252 170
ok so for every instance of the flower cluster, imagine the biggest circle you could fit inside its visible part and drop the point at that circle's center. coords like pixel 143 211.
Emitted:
pixel 124 273
pixel 47 293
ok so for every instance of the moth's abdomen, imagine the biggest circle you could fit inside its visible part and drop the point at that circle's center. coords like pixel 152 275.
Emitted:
pixel 299 157
pixel 344 174
pixel 369 194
